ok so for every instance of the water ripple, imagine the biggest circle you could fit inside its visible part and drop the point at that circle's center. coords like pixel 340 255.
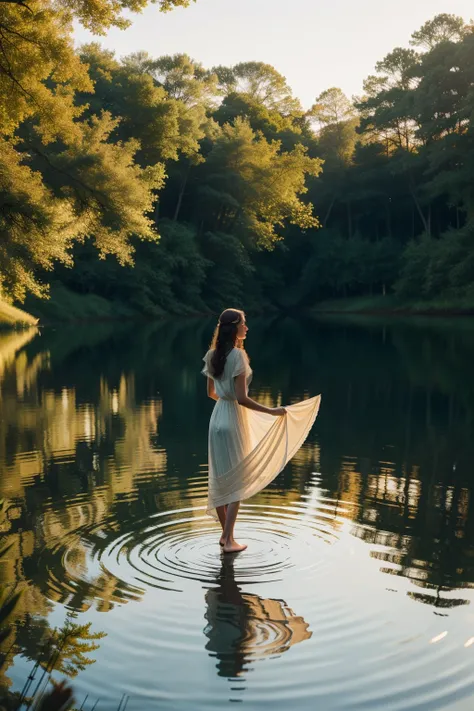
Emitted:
pixel 340 623
pixel 181 545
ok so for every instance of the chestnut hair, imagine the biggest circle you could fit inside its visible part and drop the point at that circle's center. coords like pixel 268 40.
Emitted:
pixel 225 339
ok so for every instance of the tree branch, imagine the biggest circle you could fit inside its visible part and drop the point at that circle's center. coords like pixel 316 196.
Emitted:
pixel 17 2
pixel 18 34
pixel 9 73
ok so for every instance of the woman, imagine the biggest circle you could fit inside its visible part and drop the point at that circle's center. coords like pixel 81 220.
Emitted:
pixel 249 444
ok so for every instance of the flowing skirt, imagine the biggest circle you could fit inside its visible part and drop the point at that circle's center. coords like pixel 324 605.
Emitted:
pixel 248 449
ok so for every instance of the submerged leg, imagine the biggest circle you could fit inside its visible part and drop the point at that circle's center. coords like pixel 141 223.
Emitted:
pixel 230 545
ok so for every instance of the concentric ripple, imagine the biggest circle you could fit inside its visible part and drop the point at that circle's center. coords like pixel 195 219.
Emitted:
pixel 170 548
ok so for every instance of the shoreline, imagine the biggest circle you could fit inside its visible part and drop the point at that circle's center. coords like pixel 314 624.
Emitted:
pixel 391 307
pixel 396 312
pixel 12 317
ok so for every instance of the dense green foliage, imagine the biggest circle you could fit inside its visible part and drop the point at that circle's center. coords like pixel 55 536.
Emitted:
pixel 164 186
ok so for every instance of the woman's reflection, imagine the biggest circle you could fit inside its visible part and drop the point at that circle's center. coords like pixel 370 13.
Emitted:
pixel 242 627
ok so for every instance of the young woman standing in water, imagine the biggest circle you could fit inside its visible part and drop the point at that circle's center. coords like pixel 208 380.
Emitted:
pixel 249 444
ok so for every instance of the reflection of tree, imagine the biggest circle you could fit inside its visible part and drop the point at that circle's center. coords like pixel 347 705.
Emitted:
pixel 63 651
pixel 66 650
pixel 31 607
pixel 83 459
pixel 11 342
pixel 242 627
pixel 427 539
pixel 395 442
pixel 54 447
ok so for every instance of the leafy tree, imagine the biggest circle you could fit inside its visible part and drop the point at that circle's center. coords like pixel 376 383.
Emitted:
pixel 251 188
pixel 193 90
pixel 386 109
pixel 185 80
pixel 445 103
pixel 100 16
pixel 442 28
pixel 143 109
pixel 81 183
pixel 90 186
pixel 288 129
pixel 332 108
pixel 260 82
pixel 337 137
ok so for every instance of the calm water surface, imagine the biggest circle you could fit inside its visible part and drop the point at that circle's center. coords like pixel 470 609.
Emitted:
pixel 356 589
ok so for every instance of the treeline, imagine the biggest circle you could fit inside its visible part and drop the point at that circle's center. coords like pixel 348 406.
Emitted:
pixel 170 187
pixel 396 197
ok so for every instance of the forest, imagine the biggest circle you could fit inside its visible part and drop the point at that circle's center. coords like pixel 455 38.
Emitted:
pixel 155 185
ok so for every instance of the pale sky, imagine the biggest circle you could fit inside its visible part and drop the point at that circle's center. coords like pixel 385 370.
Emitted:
pixel 315 44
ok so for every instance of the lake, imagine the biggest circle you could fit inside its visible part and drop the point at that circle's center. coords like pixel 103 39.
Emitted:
pixel 356 589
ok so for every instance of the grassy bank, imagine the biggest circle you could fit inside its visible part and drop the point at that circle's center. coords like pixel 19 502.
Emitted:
pixel 395 306
pixel 67 306
pixel 10 316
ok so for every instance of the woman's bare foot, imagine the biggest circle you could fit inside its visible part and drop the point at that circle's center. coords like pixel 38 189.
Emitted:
pixel 233 547
pixel 221 541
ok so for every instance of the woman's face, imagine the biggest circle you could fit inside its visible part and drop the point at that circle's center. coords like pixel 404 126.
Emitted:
pixel 242 329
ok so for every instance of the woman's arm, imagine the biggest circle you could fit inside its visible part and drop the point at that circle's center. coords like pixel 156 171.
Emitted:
pixel 246 401
pixel 211 391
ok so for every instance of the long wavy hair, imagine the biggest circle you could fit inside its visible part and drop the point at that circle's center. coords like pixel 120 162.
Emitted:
pixel 224 339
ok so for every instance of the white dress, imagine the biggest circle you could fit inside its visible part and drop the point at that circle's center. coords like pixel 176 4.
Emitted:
pixel 248 449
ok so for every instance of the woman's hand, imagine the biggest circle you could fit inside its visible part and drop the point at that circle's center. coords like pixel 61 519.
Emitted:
pixel 278 411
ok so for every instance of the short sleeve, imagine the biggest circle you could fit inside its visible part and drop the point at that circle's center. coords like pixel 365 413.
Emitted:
pixel 239 363
pixel 205 370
